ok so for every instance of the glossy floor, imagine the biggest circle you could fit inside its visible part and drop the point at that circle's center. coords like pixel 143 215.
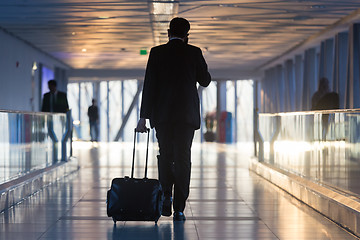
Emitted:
pixel 226 202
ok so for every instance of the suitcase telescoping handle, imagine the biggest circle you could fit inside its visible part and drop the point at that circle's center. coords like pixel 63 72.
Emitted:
pixel 147 153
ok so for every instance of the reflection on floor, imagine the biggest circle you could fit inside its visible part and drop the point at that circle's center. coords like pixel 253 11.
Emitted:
pixel 226 202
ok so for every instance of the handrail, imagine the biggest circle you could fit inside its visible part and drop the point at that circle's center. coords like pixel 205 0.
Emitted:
pixel 311 112
pixel 29 112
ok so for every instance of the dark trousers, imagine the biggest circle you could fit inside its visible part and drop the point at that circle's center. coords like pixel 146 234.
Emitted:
pixel 174 162
pixel 94 131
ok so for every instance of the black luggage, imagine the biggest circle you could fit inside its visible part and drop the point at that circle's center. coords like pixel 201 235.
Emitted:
pixel 135 199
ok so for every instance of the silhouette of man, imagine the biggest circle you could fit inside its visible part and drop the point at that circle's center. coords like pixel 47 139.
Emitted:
pixel 170 101
pixel 54 100
pixel 93 114
pixel 323 99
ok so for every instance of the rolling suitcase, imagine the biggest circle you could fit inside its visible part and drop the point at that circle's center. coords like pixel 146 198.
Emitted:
pixel 135 199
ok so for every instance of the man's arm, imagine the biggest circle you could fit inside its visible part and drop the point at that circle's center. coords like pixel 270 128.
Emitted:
pixel 147 100
pixel 202 74
pixel 148 88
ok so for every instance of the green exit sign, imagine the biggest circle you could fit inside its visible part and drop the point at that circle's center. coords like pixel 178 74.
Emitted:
pixel 143 52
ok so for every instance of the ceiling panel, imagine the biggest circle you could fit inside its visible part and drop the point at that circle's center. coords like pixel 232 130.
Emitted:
pixel 238 34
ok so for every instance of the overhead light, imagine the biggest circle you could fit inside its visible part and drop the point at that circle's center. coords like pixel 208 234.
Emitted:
pixel 73 33
pixel 318 6
pixel 34 67
pixel 161 12
pixel 163 8
pixel 84 50
pixel 103 17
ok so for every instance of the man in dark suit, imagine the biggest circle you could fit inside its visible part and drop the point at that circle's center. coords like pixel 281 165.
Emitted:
pixel 170 101
pixel 54 101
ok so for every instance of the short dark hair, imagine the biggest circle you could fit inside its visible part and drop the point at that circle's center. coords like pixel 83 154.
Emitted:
pixel 52 82
pixel 179 27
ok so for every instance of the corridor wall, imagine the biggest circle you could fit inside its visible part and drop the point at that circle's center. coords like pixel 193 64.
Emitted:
pixel 20 84
pixel 289 86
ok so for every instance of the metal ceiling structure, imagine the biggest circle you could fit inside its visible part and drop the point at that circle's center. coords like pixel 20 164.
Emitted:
pixel 240 35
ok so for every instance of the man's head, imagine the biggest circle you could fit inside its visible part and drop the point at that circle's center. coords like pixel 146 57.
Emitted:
pixel 179 27
pixel 52 85
pixel 324 84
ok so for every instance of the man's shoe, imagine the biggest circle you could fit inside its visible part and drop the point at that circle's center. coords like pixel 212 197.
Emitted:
pixel 166 208
pixel 179 216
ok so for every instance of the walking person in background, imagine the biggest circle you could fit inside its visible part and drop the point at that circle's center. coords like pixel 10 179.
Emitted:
pixel 170 101
pixel 93 113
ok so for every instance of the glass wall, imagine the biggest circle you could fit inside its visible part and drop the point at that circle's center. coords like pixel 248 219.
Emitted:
pixel 115 98
pixel 30 141
pixel 322 146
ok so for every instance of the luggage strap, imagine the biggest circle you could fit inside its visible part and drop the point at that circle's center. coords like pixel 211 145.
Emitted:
pixel 147 153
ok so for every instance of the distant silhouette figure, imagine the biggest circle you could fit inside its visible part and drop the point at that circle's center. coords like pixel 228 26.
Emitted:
pixel 170 101
pixel 328 101
pixel 93 114
pixel 323 99
pixel 54 101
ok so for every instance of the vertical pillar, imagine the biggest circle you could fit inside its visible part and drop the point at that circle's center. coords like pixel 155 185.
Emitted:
pixel 255 115
pixel 96 92
pixel 235 112
pixel 122 106
pixel 309 82
pixel 262 97
pixel 322 60
pixel 220 104
pixel 327 60
pixel 290 86
pixel 200 92
pixel 266 89
pixel 340 63
pixel 264 92
pixel 353 75
pixel 280 88
pixel 108 111
pixel 329 64
pixel 273 95
pixel 96 96
pixel 79 107
pixel 298 74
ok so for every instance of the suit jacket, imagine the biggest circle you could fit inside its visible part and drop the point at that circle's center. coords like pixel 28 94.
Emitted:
pixel 170 92
pixel 61 104
pixel 329 101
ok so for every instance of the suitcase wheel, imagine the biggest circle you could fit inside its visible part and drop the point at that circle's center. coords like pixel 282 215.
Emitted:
pixel 114 220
